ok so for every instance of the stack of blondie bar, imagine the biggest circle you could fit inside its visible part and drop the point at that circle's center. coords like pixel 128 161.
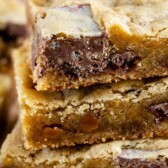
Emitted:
pixel 92 86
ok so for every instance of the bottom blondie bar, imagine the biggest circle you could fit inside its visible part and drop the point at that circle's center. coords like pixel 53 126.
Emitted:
pixel 116 154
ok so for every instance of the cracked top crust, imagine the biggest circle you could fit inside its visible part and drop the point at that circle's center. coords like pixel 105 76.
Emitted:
pixel 140 19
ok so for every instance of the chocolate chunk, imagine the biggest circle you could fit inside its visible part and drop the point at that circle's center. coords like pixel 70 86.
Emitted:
pixel 84 57
pixel 124 61
pixel 78 57
pixel 160 111
pixel 138 163
pixel 12 32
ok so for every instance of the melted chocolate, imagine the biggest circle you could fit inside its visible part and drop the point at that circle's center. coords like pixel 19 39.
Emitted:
pixel 82 57
pixel 160 111
pixel 78 57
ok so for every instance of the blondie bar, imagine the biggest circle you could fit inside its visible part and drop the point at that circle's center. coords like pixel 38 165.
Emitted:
pixel 124 110
pixel 81 43
pixel 118 154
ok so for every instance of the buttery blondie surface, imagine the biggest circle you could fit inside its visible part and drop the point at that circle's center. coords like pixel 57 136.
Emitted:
pixel 118 154
pixel 99 44
pixel 124 110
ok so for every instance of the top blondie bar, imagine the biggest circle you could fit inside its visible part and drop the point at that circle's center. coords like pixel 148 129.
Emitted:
pixel 80 43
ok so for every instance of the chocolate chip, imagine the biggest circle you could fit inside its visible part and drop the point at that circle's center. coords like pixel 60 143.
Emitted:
pixel 118 60
pixel 123 61
pixel 160 111
pixel 69 70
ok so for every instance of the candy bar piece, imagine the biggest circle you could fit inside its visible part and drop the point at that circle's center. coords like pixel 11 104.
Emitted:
pixel 117 154
pixel 80 44
pixel 124 110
